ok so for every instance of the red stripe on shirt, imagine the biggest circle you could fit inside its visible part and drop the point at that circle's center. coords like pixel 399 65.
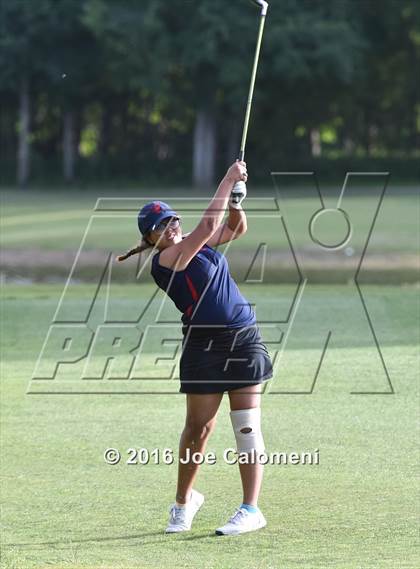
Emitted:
pixel 192 288
pixel 189 310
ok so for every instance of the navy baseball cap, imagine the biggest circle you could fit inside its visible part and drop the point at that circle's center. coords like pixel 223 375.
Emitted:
pixel 152 214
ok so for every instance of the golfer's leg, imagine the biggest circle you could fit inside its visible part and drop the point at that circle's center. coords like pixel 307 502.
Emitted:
pixel 199 423
pixel 251 474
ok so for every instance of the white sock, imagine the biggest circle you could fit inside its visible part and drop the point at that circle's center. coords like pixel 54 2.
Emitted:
pixel 178 505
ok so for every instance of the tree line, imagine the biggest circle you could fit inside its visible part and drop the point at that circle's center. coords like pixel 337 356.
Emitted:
pixel 156 89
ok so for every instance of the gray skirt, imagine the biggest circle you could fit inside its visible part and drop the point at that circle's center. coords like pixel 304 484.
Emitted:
pixel 215 360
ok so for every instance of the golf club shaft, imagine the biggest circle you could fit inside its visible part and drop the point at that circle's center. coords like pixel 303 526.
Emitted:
pixel 251 87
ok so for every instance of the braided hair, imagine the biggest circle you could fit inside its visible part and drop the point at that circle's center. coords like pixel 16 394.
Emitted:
pixel 142 246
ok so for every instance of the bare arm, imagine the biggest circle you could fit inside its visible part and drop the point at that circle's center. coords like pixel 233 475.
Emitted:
pixel 178 256
pixel 234 227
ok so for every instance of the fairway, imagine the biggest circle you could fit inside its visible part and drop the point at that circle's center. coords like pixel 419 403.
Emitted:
pixel 41 237
pixel 63 506
pixel 219 199
pixel 57 223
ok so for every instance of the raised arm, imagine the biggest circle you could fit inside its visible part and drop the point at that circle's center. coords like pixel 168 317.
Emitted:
pixel 179 255
pixel 232 228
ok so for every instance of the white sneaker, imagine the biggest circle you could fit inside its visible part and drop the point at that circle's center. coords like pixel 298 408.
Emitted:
pixel 180 519
pixel 242 521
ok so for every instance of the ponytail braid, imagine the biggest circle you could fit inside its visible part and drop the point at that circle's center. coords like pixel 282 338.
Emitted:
pixel 135 250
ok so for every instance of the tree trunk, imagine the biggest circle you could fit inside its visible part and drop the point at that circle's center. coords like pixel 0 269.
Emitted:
pixel 69 146
pixel 204 150
pixel 23 151
pixel 315 139
pixel 348 146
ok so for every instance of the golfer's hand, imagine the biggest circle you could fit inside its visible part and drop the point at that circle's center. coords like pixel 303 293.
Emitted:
pixel 237 172
pixel 237 195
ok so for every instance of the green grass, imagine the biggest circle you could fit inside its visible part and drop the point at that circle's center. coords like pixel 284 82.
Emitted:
pixel 57 221
pixel 62 506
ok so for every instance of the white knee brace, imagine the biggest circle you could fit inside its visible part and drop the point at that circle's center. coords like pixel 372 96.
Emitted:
pixel 247 428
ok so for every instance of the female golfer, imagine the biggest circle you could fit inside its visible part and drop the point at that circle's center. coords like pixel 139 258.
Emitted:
pixel 222 348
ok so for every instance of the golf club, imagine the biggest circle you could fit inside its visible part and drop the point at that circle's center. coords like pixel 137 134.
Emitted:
pixel 264 6
pixel 240 187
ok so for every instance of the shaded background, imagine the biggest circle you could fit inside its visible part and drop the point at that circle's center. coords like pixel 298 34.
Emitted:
pixel 154 92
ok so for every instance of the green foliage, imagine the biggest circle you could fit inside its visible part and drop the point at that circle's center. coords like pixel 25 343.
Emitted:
pixel 46 42
pixel 136 73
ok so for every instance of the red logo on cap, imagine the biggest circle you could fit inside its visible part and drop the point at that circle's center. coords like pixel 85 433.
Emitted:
pixel 156 207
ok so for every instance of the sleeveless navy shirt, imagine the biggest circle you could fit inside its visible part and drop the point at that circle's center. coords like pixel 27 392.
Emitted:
pixel 205 292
